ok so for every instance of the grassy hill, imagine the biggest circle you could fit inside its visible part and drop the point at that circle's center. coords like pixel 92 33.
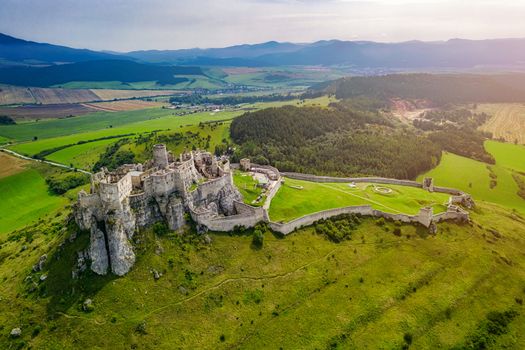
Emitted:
pixel 297 198
pixel 475 178
pixel 303 291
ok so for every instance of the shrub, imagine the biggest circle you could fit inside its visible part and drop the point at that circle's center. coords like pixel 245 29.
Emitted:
pixel 61 183
pixel 380 222
pixel 397 231
pixel 160 228
pixel 258 238
pixel 6 120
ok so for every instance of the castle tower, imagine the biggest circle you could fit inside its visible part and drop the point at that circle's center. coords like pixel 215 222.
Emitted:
pixel 428 184
pixel 160 156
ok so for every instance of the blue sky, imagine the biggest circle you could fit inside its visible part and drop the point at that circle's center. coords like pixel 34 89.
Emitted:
pixel 124 25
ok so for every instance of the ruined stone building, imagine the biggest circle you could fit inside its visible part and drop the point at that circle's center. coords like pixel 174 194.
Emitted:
pixel 138 195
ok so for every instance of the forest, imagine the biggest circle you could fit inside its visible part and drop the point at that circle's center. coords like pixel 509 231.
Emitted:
pixel 440 89
pixel 332 141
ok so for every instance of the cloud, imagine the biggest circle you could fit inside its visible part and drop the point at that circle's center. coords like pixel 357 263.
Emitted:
pixel 156 24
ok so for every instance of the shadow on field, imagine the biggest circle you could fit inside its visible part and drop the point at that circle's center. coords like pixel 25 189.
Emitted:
pixel 64 290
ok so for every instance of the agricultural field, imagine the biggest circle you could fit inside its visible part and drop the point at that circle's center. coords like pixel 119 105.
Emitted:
pixel 507 121
pixel 35 112
pixel 173 123
pixel 10 165
pixel 82 156
pixel 25 199
pixel 297 198
pixel 122 105
pixel 15 95
pixel 12 95
pixel 96 121
pixel 375 290
pixel 475 178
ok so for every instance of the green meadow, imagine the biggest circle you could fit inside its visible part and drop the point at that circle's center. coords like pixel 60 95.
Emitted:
pixel 376 290
pixel 82 156
pixel 247 185
pixel 474 177
pixel 89 122
pixel 25 198
pixel 507 155
pixel 172 123
pixel 297 198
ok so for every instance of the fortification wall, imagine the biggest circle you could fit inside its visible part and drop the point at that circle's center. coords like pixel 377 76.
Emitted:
pixel 379 180
pixel 112 194
pixel 212 187
pixel 286 228
pixel 448 190
pixel 273 191
pixel 160 183
pixel 247 216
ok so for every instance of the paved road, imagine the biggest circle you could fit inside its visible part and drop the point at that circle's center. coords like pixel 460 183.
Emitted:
pixel 43 161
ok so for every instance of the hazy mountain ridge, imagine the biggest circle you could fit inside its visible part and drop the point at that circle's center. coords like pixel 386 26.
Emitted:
pixel 30 52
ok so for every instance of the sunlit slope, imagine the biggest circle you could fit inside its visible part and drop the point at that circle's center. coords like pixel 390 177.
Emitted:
pixel 474 177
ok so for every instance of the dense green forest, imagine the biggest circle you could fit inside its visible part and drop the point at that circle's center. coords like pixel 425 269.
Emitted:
pixel 332 141
pixel 440 89
pixel 455 130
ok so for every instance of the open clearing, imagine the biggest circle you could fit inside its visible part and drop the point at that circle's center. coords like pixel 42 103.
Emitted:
pixel 247 185
pixel 10 165
pixel 25 198
pixel 32 95
pixel 507 121
pixel 124 105
pixel 300 292
pixel 33 112
pixel 297 198
pixel 473 176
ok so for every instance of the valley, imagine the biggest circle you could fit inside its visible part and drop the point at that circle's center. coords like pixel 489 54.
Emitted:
pixel 324 195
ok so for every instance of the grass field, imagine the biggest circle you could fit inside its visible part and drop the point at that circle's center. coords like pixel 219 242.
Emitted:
pixel 474 177
pixel 96 121
pixel 507 155
pixel 25 198
pixel 82 156
pixel 247 185
pixel 297 198
pixel 122 105
pixel 160 123
pixel 507 121
pixel 301 292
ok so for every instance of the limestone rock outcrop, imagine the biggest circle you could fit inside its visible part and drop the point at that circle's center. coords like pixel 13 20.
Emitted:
pixel 136 196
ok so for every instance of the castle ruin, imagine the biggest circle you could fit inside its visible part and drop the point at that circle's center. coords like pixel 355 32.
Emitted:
pixel 200 185
pixel 138 195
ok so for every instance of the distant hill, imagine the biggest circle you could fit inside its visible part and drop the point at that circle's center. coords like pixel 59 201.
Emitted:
pixel 453 54
pixel 228 56
pixel 15 50
pixel 105 70
pixel 440 89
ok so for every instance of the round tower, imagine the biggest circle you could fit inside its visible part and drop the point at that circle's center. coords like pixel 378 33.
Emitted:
pixel 160 156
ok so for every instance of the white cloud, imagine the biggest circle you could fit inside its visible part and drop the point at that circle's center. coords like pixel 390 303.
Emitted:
pixel 155 24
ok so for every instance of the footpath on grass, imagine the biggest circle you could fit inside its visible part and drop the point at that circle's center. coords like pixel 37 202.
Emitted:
pixel 63 166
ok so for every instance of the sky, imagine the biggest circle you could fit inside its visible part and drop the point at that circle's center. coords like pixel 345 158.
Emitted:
pixel 126 25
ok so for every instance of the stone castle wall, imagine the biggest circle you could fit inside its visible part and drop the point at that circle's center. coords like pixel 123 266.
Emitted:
pixel 247 216
pixel 288 227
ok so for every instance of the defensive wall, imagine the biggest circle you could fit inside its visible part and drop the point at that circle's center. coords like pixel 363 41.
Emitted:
pixel 250 218
pixel 247 216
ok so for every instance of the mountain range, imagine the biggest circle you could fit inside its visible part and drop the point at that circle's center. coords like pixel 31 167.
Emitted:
pixel 40 64
pixel 454 53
